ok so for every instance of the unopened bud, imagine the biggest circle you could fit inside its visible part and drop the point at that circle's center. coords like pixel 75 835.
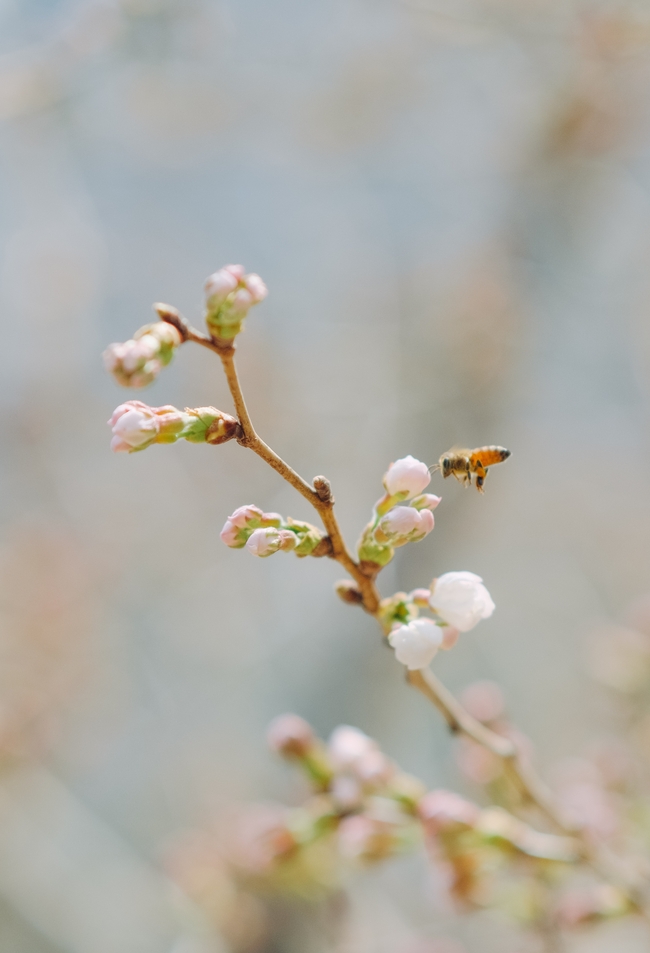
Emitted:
pixel 136 363
pixel 290 736
pixel 421 597
pixel 461 599
pixel 428 501
pixel 349 592
pixel 404 524
pixel 265 542
pixel 210 426
pixel 443 812
pixel 366 839
pixel 308 538
pixel 136 426
pixel 229 296
pixel 406 478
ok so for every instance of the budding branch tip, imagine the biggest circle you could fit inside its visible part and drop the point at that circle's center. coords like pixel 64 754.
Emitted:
pixel 323 489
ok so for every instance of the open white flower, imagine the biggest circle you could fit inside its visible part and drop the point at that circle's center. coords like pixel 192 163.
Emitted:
pixel 461 599
pixel 407 475
pixel 416 644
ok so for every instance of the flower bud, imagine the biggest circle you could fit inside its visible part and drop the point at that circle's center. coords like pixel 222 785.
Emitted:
pixel 265 542
pixel 241 524
pixel 138 362
pixel 290 736
pixel 347 746
pixel 484 701
pixel 346 792
pixel 406 477
pixel 229 296
pixel 136 425
pixel 349 592
pixel 308 537
pixel 461 599
pixel 428 501
pixel 366 839
pixel 209 425
pixel 443 812
pixel 420 597
pixel 404 524
pixel 417 643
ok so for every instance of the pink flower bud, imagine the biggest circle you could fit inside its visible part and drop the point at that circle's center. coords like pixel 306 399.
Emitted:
pixel 138 362
pixel 407 476
pixel 421 597
pixel 366 839
pixel 135 426
pixel 444 811
pixel 346 792
pixel 428 501
pixel 230 535
pixel 417 643
pixel 461 599
pixel 290 736
pixel 241 524
pixel 256 287
pixel 347 746
pixel 404 524
pixel 222 283
pixel 265 542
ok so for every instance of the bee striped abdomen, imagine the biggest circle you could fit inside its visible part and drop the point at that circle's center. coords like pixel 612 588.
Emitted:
pixel 488 456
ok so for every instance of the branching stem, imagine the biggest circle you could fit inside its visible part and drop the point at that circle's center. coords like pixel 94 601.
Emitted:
pixel 531 787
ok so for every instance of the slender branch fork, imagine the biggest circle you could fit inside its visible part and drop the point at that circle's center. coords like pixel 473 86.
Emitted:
pixel 319 494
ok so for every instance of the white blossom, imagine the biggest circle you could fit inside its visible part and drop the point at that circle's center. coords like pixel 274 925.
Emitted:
pixel 461 599
pixel 416 644
pixel 407 475
pixel 348 746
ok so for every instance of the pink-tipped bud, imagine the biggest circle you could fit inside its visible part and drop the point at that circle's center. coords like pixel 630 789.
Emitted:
pixel 222 283
pixel 346 792
pixel 265 542
pixel 243 522
pixel 347 746
pixel 404 524
pixel 420 597
pixel 443 812
pixel 417 643
pixel 229 296
pixel 290 736
pixel 134 425
pixel 407 477
pixel 136 363
pixel 428 501
pixel 366 839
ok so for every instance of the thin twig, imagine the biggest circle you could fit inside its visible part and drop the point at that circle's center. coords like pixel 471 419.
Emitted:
pixel 458 719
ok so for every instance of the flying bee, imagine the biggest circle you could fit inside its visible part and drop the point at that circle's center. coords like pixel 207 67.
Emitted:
pixel 464 463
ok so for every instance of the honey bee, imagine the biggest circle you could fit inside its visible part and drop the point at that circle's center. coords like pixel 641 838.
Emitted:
pixel 464 463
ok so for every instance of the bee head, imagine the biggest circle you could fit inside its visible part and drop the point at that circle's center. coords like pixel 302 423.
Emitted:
pixel 445 466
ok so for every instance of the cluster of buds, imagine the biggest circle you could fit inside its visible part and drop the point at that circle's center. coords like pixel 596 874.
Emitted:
pixel 136 363
pixel 229 296
pixel 394 524
pixel 266 533
pixel 136 426
pixel 459 601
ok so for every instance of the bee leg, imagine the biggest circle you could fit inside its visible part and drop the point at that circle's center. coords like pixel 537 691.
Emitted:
pixel 481 474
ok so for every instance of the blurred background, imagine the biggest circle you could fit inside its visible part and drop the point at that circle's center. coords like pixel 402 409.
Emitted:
pixel 449 203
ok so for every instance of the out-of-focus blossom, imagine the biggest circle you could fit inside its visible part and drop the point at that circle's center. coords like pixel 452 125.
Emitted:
pixel 241 524
pixel 136 363
pixel 461 599
pixel 265 542
pixel 290 736
pixel 259 839
pixel 588 904
pixel 346 792
pixel 366 839
pixel 136 426
pixel 417 643
pixel 348 746
pixel 484 701
pixel 420 597
pixel 229 296
pixel 477 763
pixel 404 524
pixel 406 478
pixel 444 811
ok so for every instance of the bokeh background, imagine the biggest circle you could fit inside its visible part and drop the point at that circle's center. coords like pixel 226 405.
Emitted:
pixel 449 203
